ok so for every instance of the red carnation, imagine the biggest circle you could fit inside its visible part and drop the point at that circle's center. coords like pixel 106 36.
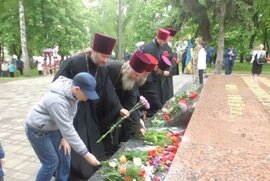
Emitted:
pixel 167 117
pixel 157 178
pixel 193 95
pixel 166 53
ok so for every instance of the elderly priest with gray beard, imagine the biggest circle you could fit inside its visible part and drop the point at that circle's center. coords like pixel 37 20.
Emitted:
pixel 124 76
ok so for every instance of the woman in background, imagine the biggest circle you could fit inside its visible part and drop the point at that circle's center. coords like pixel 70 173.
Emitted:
pixel 257 53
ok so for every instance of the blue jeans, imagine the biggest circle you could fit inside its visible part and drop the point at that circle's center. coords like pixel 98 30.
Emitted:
pixel 54 162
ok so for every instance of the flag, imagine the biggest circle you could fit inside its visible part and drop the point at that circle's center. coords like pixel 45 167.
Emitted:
pixel 189 57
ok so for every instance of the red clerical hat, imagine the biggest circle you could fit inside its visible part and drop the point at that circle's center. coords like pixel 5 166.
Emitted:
pixel 164 63
pixel 103 43
pixel 163 34
pixel 172 31
pixel 139 62
pixel 153 61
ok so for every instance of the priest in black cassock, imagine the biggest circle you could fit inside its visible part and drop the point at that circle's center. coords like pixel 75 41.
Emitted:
pixel 151 90
pixel 124 76
pixel 93 115
pixel 167 88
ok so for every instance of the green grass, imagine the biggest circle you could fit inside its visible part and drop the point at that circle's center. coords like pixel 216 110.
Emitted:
pixel 241 68
pixel 246 68
pixel 18 77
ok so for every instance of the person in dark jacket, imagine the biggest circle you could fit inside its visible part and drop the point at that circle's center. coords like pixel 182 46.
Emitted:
pixel 230 55
pixel 156 78
pixel 105 110
pixel 167 88
pixel 152 88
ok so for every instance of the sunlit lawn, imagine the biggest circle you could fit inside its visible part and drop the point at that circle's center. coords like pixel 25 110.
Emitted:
pixel 244 68
pixel 18 77
pixel 241 68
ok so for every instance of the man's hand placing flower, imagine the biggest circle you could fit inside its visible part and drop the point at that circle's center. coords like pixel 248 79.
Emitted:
pixel 124 113
pixel 142 103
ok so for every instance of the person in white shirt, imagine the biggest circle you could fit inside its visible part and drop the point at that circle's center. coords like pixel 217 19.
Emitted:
pixel 201 61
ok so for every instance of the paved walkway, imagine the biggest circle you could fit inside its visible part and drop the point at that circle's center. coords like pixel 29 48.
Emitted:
pixel 17 98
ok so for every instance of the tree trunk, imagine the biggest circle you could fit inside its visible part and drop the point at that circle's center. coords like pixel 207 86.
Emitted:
pixel 120 31
pixel 25 57
pixel 1 52
pixel 219 60
pixel 204 29
pixel 266 44
pixel 14 50
pixel 256 23
pixel 201 18
pixel 242 57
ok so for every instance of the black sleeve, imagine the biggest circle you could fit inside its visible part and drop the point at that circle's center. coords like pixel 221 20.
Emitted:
pixel 150 91
pixel 109 106
pixel 66 70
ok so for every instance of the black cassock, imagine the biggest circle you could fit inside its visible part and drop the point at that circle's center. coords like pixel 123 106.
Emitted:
pixel 167 88
pixel 152 89
pixel 91 116
pixel 128 100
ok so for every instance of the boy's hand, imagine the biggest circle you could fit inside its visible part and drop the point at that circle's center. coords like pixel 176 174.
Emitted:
pixel 90 158
pixel 66 146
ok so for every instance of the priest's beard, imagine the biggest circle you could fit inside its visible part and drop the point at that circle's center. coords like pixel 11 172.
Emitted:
pixel 141 80
pixel 127 83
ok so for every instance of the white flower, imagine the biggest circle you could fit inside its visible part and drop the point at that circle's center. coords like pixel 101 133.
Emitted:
pixel 112 164
pixel 164 110
pixel 149 170
pixel 183 106
pixel 137 161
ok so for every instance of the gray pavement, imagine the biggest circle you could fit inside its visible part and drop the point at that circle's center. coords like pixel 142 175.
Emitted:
pixel 16 99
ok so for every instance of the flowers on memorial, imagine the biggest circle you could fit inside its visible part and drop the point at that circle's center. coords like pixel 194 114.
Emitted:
pixel 193 96
pixel 163 138
pixel 142 103
pixel 176 106
pixel 130 165
pixel 183 105
pixel 150 164
pixel 157 137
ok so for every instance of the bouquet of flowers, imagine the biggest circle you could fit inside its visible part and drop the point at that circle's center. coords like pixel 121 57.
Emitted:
pixel 176 106
pixel 130 166
pixel 142 103
pixel 163 138
pixel 150 164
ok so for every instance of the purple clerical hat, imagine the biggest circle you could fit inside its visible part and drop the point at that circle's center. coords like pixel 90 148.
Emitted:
pixel 103 43
pixel 172 31
pixel 163 34
pixel 164 63
pixel 153 61
pixel 139 62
